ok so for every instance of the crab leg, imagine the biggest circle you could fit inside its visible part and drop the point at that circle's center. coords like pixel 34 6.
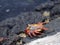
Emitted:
pixel 30 35
pixel 44 28
pixel 33 34
pixel 36 31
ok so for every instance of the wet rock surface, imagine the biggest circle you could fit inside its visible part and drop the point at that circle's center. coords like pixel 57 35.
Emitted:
pixel 12 8
pixel 52 6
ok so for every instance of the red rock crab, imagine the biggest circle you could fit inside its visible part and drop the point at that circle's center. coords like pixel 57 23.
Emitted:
pixel 34 29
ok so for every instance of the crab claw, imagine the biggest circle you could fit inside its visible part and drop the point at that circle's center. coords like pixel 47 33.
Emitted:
pixel 28 33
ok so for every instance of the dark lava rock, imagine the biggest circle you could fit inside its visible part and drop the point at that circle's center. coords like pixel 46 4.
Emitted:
pixel 20 22
pixel 53 27
pixel 52 6
pixel 11 26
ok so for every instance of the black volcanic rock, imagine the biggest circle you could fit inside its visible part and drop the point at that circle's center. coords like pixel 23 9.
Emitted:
pixel 11 26
pixel 53 27
pixel 52 6
pixel 20 22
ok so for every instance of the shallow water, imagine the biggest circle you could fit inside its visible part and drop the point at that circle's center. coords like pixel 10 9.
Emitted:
pixel 11 8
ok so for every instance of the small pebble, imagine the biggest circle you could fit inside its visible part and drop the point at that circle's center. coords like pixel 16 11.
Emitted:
pixel 7 10
pixel 22 35
pixel 46 13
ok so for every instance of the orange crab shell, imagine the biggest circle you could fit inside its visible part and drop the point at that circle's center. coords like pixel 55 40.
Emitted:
pixel 38 25
pixel 35 28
